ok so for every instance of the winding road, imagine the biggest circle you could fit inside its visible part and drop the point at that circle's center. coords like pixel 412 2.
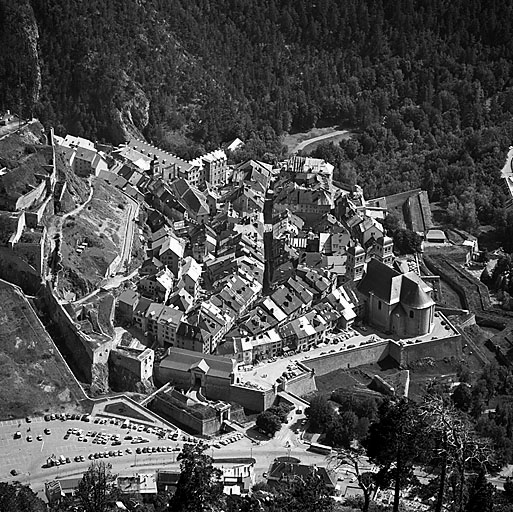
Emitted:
pixel 330 135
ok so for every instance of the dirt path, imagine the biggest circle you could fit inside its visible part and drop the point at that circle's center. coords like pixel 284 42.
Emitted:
pixel 54 230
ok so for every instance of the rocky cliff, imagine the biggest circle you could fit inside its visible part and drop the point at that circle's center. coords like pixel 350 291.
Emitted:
pixel 20 72
pixel 129 111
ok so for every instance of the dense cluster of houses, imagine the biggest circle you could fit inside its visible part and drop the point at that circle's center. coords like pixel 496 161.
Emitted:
pixel 251 261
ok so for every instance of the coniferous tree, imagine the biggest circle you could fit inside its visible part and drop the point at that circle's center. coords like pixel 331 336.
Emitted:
pixel 392 444
pixel 16 497
pixel 199 487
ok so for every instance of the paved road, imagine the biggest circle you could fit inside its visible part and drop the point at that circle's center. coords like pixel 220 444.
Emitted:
pixel 329 135
pixel 130 226
pixel 14 126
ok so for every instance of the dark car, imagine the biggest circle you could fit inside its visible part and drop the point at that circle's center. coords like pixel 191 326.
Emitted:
pixel 14 472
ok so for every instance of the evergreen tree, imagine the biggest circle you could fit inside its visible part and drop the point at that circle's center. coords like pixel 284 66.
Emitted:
pixel 16 497
pixel 320 413
pixel 481 494
pixel 199 488
pixel 392 444
pixel 96 490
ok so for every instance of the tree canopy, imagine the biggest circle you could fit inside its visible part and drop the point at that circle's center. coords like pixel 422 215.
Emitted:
pixel 19 498
pixel 426 85
pixel 199 486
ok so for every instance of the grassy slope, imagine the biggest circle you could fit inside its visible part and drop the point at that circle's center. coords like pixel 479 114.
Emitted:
pixel 101 224
pixel 33 378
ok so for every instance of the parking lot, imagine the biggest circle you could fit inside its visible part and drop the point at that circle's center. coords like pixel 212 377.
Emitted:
pixel 28 447
pixel 65 446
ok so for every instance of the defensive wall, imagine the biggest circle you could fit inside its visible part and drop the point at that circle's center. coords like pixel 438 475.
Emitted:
pixel 402 353
pixel 32 250
pixel 16 270
pixel 349 358
pixel 451 311
pixel 255 400
pixel 437 349
pixel 191 423
pixel 126 374
pixel 83 352
pixel 27 200
pixel 38 216
pixel 472 292
pixel 301 385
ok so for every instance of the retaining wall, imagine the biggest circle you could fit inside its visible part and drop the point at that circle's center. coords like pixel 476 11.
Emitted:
pixel 76 346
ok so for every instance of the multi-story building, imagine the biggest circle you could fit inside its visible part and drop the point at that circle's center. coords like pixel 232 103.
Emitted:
pixel 189 276
pixel 211 169
pixel 157 287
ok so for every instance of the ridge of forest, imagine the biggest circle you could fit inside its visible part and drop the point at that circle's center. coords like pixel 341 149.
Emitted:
pixel 427 83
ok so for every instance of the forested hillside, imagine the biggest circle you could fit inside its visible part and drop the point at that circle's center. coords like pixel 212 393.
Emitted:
pixel 428 81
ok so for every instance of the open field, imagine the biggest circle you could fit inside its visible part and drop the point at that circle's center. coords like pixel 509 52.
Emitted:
pixel 102 227
pixel 33 376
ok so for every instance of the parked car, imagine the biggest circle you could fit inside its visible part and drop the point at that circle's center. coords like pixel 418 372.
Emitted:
pixel 17 435
pixel 29 439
